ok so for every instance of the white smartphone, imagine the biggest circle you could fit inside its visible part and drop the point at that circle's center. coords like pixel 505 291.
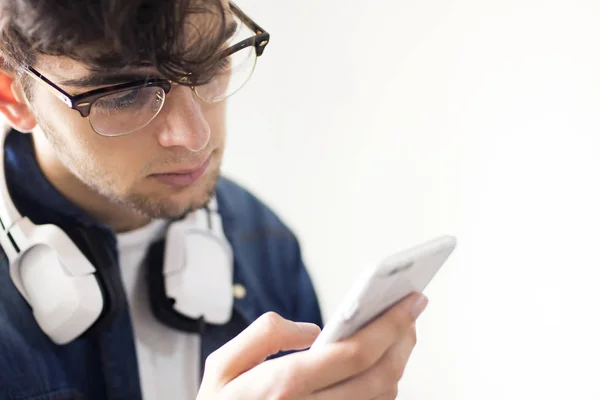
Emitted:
pixel 383 286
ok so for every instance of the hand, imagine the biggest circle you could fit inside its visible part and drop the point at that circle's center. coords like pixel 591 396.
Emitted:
pixel 364 367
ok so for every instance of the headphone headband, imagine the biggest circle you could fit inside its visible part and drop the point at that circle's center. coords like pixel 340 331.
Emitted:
pixel 9 214
pixel 72 284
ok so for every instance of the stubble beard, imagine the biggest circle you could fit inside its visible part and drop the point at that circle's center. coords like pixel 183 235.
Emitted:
pixel 105 185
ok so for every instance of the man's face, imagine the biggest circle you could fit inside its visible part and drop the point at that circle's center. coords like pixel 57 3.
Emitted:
pixel 163 170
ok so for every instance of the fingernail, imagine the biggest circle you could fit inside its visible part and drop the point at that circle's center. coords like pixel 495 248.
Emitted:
pixel 308 329
pixel 419 306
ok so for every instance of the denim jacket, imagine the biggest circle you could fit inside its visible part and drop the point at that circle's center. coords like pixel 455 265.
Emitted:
pixel 267 262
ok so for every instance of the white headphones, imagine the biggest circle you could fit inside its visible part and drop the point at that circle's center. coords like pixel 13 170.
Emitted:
pixel 190 274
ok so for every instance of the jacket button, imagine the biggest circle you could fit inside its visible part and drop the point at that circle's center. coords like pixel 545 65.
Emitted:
pixel 239 291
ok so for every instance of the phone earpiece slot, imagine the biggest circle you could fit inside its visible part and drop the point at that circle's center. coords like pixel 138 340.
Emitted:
pixel 400 268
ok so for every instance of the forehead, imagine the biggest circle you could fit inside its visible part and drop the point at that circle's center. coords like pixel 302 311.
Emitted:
pixel 60 67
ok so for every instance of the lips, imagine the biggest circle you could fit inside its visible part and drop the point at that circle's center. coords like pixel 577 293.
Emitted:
pixel 183 177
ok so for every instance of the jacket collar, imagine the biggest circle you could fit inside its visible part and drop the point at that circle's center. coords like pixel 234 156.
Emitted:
pixel 38 199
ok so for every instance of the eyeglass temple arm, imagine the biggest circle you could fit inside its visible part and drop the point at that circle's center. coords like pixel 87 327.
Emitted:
pixel 62 95
pixel 260 40
pixel 246 19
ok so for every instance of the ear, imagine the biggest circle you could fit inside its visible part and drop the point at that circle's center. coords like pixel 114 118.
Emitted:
pixel 13 104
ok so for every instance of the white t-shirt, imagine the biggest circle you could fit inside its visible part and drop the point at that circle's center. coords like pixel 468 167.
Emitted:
pixel 168 359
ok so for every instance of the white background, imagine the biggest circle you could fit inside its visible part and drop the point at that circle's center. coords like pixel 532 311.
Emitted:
pixel 371 126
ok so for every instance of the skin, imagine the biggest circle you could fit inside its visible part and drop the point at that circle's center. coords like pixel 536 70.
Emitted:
pixel 364 367
pixel 111 179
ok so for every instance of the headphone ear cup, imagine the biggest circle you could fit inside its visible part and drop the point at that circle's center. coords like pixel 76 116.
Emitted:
pixel 63 306
pixel 190 274
pixel 161 305
pixel 57 280
pixel 198 274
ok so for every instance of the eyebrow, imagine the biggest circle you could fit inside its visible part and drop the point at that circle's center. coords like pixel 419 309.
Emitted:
pixel 106 79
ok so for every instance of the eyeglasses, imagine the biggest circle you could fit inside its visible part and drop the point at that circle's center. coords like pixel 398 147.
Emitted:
pixel 127 107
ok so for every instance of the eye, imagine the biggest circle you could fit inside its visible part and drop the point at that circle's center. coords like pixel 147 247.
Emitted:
pixel 119 101
pixel 126 99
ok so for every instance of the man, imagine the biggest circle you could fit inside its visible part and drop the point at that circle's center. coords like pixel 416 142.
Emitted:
pixel 111 171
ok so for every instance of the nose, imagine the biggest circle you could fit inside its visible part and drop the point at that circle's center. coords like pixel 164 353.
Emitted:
pixel 184 123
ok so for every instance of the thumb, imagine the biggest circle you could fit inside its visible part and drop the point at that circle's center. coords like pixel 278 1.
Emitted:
pixel 268 335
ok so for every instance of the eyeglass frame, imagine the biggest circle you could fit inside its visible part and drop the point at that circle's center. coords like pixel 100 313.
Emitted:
pixel 83 102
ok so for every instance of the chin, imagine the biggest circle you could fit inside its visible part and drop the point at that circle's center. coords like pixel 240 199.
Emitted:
pixel 166 209
pixel 174 205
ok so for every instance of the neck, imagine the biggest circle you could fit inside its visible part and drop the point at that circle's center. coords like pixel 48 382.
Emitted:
pixel 116 216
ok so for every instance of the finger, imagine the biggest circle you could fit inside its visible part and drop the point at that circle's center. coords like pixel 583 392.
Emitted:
pixel 336 362
pixel 268 335
pixel 379 380
pixel 308 372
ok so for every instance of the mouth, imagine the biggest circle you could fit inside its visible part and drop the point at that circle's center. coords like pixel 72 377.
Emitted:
pixel 184 176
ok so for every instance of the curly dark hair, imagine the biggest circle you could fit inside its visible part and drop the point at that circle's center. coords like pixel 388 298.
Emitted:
pixel 180 38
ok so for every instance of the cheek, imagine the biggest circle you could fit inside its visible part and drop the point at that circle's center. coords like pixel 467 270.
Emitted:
pixel 128 156
pixel 92 156
pixel 58 117
pixel 215 115
pixel 118 161
pixel 67 131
